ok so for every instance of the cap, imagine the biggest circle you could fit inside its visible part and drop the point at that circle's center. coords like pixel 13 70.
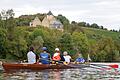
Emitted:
pixel 65 53
pixel 44 48
pixel 56 49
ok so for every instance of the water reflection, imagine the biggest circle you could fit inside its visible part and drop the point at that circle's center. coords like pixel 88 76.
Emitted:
pixel 64 74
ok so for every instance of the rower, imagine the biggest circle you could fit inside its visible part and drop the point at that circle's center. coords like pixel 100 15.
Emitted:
pixel 66 57
pixel 80 58
pixel 44 56
pixel 56 56
pixel 31 56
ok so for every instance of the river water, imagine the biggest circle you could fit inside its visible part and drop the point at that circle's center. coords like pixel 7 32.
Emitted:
pixel 86 73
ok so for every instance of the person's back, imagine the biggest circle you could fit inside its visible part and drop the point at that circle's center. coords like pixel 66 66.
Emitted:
pixel 56 55
pixel 66 57
pixel 80 58
pixel 31 56
pixel 44 56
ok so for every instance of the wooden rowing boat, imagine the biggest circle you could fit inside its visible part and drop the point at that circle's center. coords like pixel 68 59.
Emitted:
pixel 13 66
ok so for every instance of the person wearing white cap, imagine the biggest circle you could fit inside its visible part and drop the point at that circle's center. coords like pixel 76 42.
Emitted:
pixel 56 55
pixel 57 49
pixel 66 57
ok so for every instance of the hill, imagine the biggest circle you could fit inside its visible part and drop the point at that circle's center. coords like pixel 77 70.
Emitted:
pixel 94 33
pixel 78 37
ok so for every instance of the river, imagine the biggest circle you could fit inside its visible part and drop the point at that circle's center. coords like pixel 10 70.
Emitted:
pixel 86 73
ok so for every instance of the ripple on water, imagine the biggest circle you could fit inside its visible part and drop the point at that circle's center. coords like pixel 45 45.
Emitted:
pixel 64 74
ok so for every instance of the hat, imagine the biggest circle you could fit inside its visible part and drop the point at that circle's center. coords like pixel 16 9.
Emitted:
pixel 56 49
pixel 65 53
pixel 44 48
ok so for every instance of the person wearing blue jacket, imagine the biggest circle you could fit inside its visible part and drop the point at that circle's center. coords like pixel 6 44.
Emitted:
pixel 80 58
pixel 44 56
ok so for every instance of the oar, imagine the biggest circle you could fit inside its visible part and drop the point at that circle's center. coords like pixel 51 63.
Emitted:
pixel 109 66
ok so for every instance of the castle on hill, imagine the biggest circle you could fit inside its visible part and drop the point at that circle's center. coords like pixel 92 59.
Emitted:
pixel 48 21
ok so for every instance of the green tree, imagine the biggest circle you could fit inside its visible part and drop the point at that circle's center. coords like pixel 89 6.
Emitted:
pixel 87 25
pixel 17 48
pixel 3 34
pixel 82 24
pixel 10 28
pixel 9 24
pixel 38 43
pixel 80 42
pixel 51 38
pixel 64 21
pixel 37 32
pixel 10 13
pixel 94 25
pixel 107 46
pixel 66 42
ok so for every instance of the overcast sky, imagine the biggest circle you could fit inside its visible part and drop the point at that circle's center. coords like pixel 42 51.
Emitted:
pixel 102 12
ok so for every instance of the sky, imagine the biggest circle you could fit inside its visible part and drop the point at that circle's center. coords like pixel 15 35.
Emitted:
pixel 102 12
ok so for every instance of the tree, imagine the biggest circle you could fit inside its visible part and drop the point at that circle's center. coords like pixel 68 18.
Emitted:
pixel 66 42
pixel 10 13
pixel 37 43
pixel 17 48
pixel 51 38
pixel 101 27
pixel 87 25
pixel 105 45
pixel 82 24
pixel 0 17
pixel 10 28
pixel 64 21
pixel 0 21
pixel 94 25
pixel 6 14
pixel 73 22
pixel 36 33
pixel 3 34
pixel 9 23
pixel 80 42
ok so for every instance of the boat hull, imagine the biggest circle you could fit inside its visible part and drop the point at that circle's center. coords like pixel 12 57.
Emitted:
pixel 11 67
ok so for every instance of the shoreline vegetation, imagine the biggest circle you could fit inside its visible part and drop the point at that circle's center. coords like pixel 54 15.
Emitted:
pixel 16 36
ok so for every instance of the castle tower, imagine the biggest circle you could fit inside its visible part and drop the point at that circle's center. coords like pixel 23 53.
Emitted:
pixel 50 16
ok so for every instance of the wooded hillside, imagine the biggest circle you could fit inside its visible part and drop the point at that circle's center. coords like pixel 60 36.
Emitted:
pixel 16 37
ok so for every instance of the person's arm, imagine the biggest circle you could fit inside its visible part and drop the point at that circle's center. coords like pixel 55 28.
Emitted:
pixel 40 57
pixel 49 56
pixel 62 58
pixel 71 60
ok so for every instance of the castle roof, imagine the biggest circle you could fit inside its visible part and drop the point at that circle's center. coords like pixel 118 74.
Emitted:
pixel 49 13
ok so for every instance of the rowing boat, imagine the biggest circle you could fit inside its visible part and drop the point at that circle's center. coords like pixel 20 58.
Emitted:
pixel 15 66
pixel 26 66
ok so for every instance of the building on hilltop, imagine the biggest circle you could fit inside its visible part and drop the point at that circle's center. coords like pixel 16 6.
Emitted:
pixel 35 22
pixel 48 21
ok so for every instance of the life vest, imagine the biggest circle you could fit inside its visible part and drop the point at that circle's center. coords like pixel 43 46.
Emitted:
pixel 44 58
pixel 56 57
